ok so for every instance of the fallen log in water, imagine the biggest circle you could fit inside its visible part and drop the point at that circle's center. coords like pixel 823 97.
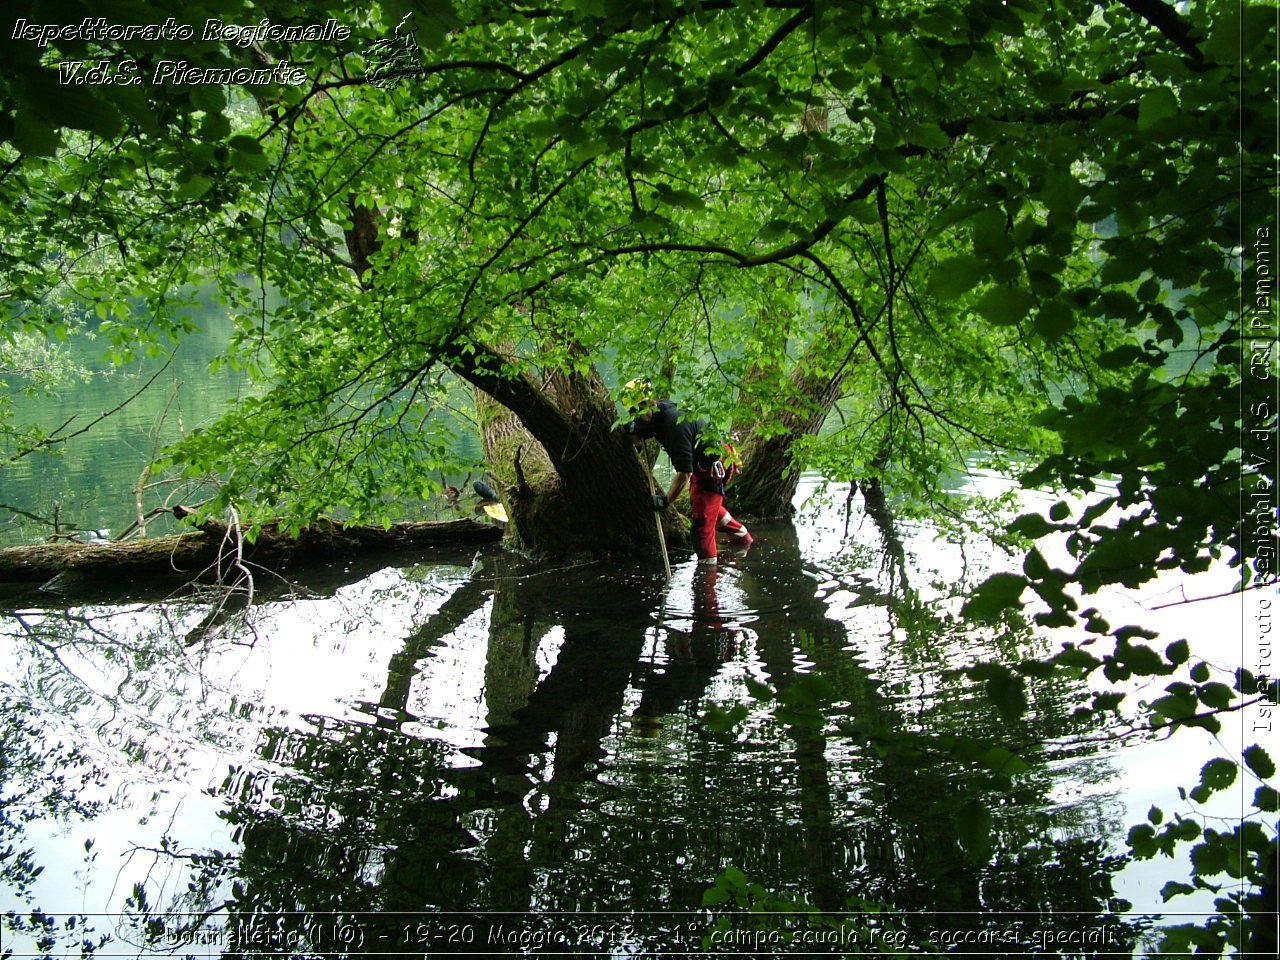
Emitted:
pixel 216 549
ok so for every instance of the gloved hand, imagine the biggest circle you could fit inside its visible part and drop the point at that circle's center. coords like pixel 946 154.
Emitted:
pixel 659 502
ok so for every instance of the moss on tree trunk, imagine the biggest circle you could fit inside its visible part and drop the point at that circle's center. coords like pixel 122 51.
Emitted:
pixel 216 550
pixel 767 482
pixel 571 484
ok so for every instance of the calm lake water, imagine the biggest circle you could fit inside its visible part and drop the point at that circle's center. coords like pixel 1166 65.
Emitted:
pixel 476 754
pixel 92 482
pixel 471 753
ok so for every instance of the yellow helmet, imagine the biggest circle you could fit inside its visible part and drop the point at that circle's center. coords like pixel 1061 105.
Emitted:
pixel 636 394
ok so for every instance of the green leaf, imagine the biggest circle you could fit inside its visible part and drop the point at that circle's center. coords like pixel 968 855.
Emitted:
pixel 1257 760
pixel 1032 526
pixel 207 97
pixel 1008 692
pixel 996 594
pixel 33 137
pixel 1254 836
pixel 1140 658
pixel 1175 706
pixel 724 720
pixel 714 896
pixel 1096 510
pixel 438 17
pixel 858 212
pixel 1223 44
pixel 245 144
pixel 1218 774
pixel 1054 320
pixel 799 717
pixel 1035 566
pixel 1075 657
pixel 928 135
pixel 215 126
pixel 956 213
pixel 1124 633
pixel 1142 840
pixel 1205 722
pixel 81 109
pixel 1154 106
pixel 592 148
pixel 809 690
pixel 973 824
pixel 544 129
pixel 1040 669
pixel 675 197
pixel 955 277
pixel 1266 799
pixel 891 161
pixel 1174 889
pixel 1005 305
pixel 1107 701
pixel 247 155
pixel 194 188
pixel 998 760
pixel 1217 696
pixel 1121 356
pixel 1062 192
pixel 1177 652
pixel 1210 858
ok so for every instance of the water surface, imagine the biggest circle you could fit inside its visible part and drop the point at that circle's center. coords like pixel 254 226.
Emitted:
pixel 475 753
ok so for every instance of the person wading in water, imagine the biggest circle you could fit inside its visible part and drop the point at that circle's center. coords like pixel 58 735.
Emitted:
pixel 695 462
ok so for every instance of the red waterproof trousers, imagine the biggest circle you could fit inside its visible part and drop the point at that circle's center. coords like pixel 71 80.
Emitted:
pixel 709 514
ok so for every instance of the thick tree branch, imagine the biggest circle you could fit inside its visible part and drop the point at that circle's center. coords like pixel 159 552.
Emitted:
pixel 773 42
pixel 483 367
pixel 1167 20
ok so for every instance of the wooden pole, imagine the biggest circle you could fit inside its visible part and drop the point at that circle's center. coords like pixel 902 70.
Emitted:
pixel 657 516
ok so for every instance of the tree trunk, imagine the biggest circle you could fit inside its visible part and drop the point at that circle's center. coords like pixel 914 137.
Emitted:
pixel 767 482
pixel 571 484
pixel 216 550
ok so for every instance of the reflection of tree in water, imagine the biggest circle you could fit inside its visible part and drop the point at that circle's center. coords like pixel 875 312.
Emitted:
pixel 122 683
pixel 121 675
pixel 595 788
pixel 562 811
pixel 888 822
pixel 41 778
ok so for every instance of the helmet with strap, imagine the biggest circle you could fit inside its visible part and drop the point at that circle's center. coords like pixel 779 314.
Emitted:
pixel 636 395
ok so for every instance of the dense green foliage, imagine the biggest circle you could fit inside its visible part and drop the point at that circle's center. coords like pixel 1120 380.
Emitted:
pixel 1005 232
pixel 974 208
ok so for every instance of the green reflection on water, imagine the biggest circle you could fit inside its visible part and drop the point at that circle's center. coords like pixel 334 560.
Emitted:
pixel 93 480
pixel 100 481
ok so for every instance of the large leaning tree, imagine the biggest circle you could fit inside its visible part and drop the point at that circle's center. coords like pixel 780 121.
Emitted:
pixel 882 239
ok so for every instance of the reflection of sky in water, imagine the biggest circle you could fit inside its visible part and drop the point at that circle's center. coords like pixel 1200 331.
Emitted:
pixel 447 699
pixel 192 713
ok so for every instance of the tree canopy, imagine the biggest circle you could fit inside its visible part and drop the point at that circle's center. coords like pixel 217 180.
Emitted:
pixel 900 237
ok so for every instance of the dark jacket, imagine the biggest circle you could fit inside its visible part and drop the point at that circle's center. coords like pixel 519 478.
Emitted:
pixel 681 438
